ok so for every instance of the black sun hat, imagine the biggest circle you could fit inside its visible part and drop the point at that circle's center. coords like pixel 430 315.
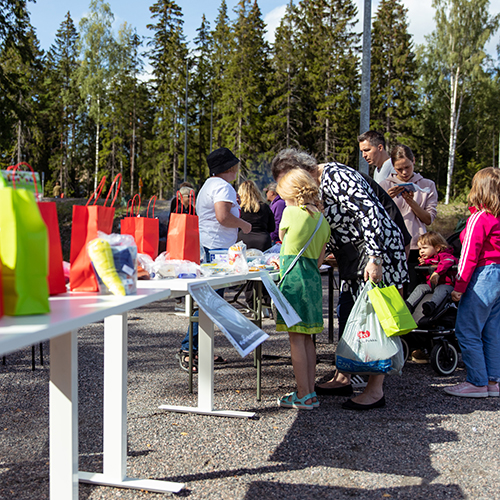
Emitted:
pixel 220 161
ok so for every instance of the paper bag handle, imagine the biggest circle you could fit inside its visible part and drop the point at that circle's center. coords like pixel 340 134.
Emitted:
pixel 131 204
pixel 118 179
pixel 15 168
pixel 152 199
pixel 97 192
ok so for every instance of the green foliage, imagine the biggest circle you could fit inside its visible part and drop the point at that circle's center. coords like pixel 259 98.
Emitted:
pixel 394 98
pixel 244 88
pixel 168 58
pixel 83 108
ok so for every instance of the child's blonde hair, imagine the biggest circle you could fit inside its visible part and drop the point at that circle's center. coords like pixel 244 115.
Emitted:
pixel 433 239
pixel 250 197
pixel 485 191
pixel 298 185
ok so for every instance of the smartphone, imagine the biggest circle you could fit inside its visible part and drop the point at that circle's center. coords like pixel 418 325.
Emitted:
pixel 408 186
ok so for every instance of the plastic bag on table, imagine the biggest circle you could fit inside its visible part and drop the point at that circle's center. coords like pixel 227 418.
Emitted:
pixel 237 258
pixel 364 347
pixel 166 268
pixel 114 257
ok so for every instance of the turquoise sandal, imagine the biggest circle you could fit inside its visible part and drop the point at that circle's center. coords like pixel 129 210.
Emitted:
pixel 292 401
pixel 312 395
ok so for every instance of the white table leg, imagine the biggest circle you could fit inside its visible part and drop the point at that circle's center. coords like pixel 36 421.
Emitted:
pixel 115 415
pixel 63 427
pixel 206 375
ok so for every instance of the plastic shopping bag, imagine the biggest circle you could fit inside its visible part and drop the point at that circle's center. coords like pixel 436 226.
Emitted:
pixel 364 347
pixel 391 310
pixel 23 253
pixel 48 211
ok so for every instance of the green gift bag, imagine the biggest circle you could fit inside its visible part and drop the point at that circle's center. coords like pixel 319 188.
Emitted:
pixel 23 254
pixel 391 310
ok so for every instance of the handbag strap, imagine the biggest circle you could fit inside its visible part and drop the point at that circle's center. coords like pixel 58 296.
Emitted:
pixel 294 261
pixel 132 206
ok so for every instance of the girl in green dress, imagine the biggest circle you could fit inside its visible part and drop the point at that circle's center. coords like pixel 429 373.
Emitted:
pixel 302 284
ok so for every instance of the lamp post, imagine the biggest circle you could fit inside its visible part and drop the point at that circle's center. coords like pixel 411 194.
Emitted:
pixel 186 120
pixel 364 119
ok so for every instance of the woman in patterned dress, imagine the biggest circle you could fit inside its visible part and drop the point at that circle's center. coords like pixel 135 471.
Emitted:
pixel 361 227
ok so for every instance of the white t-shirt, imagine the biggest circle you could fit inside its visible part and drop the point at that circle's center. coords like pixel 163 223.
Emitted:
pixel 385 170
pixel 212 234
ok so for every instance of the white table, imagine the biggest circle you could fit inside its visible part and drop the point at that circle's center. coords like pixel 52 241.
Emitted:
pixel 68 313
pixel 179 287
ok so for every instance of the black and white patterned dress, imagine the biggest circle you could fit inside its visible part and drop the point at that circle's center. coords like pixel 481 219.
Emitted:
pixel 355 213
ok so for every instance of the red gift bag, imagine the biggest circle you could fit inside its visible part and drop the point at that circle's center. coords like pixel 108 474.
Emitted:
pixel 87 220
pixel 183 237
pixel 127 224
pixel 48 211
pixel 145 230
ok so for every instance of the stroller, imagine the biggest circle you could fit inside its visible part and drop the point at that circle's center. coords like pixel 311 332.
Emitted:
pixel 437 336
pixel 436 333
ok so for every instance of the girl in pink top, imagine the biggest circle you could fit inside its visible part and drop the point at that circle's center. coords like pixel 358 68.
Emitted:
pixel 477 288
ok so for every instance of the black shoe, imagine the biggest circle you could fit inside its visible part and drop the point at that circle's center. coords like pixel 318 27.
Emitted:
pixel 345 390
pixel 351 405
pixel 428 308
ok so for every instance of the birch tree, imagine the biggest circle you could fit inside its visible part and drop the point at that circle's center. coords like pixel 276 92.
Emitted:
pixel 98 51
pixel 456 55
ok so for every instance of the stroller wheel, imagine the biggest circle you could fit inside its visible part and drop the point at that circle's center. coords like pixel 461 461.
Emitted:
pixel 444 359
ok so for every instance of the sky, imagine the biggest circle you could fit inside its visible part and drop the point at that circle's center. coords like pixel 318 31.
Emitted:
pixel 47 15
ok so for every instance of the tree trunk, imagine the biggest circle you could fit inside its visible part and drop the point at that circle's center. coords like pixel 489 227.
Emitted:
pixel 97 144
pixel 454 120
pixel 19 138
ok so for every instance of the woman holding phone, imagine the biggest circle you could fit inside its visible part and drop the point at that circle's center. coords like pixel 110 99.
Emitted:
pixel 416 201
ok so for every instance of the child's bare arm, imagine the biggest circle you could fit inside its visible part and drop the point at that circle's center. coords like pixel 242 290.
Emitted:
pixel 322 256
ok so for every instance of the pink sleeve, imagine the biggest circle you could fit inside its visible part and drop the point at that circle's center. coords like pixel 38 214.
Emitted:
pixel 472 244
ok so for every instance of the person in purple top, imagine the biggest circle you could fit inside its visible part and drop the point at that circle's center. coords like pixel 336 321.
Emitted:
pixel 277 207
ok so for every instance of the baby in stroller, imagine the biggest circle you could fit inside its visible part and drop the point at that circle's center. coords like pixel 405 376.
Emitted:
pixel 440 277
pixel 432 308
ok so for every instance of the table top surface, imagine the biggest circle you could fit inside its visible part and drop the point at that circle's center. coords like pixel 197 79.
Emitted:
pixel 70 311
pixel 179 286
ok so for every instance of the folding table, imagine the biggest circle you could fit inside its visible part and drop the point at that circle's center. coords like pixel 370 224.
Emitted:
pixel 69 312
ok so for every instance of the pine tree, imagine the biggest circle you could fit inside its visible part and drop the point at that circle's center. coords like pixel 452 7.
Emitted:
pixel 18 54
pixel 221 54
pixel 329 77
pixel 394 76
pixel 283 121
pixel 201 92
pixel 63 100
pixel 244 88
pixel 168 58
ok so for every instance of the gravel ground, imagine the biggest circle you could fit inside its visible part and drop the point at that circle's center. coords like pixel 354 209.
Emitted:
pixel 423 445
